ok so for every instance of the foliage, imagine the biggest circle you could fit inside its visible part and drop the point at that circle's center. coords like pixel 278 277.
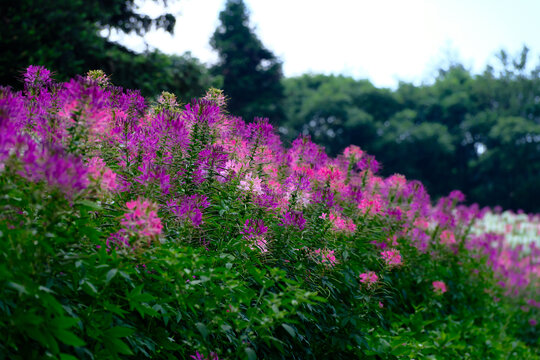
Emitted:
pixel 168 231
pixel 65 35
pixel 251 73
pixel 477 133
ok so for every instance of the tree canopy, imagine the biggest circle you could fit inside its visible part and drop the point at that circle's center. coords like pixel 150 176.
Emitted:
pixel 251 73
pixel 477 133
pixel 64 36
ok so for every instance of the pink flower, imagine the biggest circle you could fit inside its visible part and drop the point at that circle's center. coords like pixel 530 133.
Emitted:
pixel 371 206
pixel 330 173
pixel 142 218
pixel 325 256
pixel 439 287
pixel 447 237
pixel 252 184
pixel 381 305
pixel 369 278
pixel 392 257
pixel 341 223
pixel 421 223
pixel 100 173
pixel 353 152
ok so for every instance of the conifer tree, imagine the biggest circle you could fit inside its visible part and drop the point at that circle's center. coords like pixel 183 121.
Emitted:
pixel 251 73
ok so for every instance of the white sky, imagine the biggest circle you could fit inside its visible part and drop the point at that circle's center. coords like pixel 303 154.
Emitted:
pixel 382 40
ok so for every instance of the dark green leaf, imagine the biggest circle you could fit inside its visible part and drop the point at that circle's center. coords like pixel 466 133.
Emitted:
pixel 68 338
pixel 118 332
pixel 289 329
pixel 111 274
pixel 202 329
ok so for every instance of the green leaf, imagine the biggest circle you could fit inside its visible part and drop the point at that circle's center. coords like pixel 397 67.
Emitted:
pixel 38 335
pixel 89 288
pixel 64 322
pixel 202 329
pixel 119 332
pixel 20 288
pixel 114 309
pixel 68 338
pixel 251 354
pixel 111 274
pixel 119 346
pixel 289 329
pixel 46 289
pixel 145 309
pixel 67 357
pixel 89 204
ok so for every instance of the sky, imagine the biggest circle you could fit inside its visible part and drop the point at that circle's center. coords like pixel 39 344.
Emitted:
pixel 385 41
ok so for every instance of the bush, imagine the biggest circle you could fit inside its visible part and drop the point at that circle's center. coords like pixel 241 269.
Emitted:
pixel 182 232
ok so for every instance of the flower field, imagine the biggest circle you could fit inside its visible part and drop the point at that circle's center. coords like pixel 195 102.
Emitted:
pixel 518 229
pixel 131 229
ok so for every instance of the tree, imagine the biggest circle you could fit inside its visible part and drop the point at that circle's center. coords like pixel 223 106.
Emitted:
pixel 336 110
pixel 251 73
pixel 64 36
pixel 477 133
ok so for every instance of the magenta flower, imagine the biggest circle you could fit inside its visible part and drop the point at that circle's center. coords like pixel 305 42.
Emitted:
pixel 369 278
pixel 439 287
pixel 199 356
pixel 325 257
pixel 142 218
pixel 341 223
pixel 294 219
pixel 392 257
pixel 368 162
pixel 37 76
pixel 447 237
pixel 63 171
pixel 189 208
pixel 254 231
pixel 395 213
pixel 101 174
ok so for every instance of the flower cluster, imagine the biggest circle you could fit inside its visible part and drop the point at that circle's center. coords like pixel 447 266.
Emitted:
pixel 189 208
pixel 439 287
pixel 325 256
pixel 140 226
pixel 369 279
pixel 194 172
pixel 293 219
pixel 392 258
pixel 254 231
pixel 102 175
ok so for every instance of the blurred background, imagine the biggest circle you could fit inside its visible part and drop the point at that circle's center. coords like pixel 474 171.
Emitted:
pixel 446 92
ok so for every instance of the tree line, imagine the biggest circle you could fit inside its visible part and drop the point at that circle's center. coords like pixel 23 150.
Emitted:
pixel 479 133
